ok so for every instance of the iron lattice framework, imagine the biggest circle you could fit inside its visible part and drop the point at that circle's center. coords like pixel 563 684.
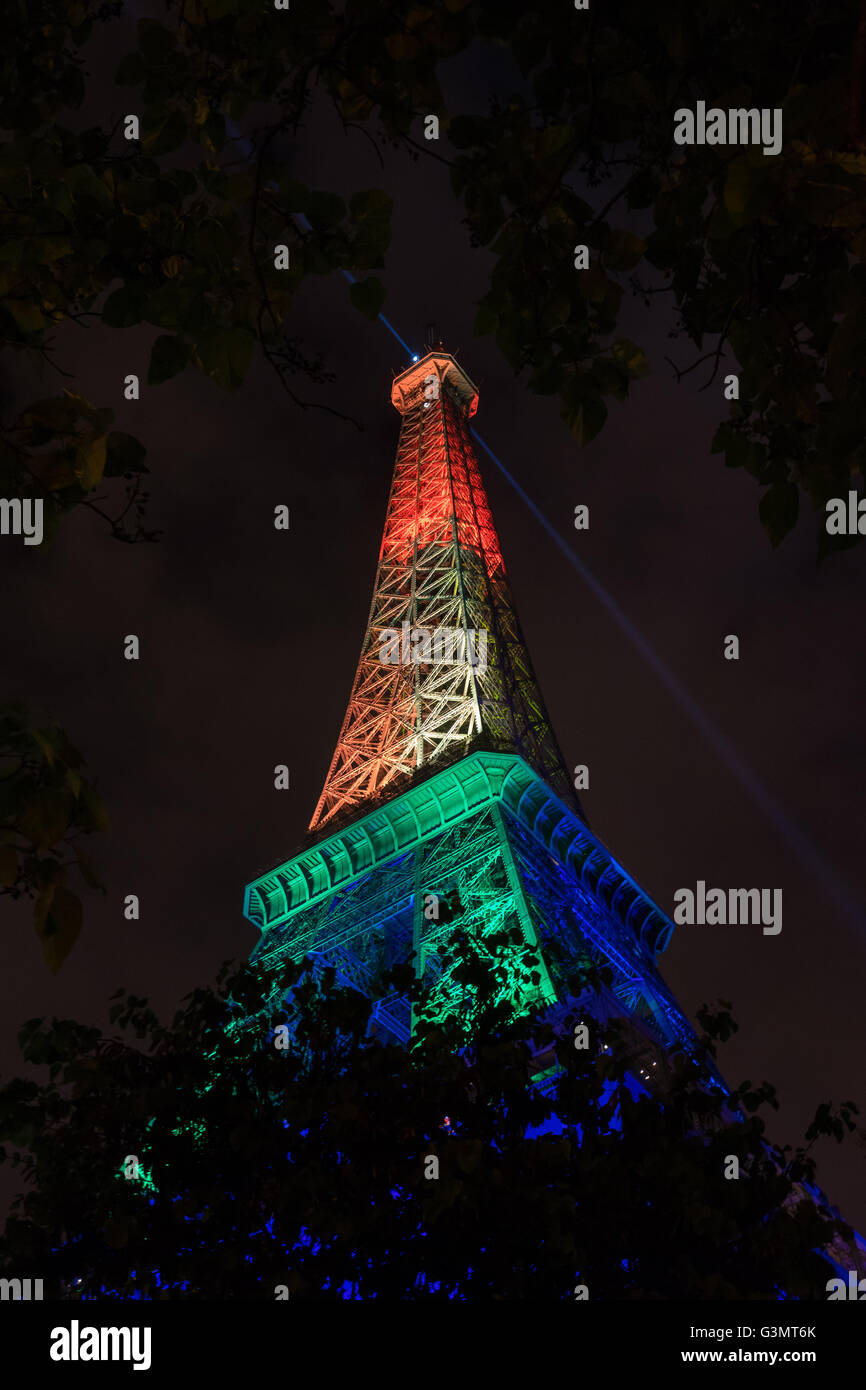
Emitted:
pixel 490 829
pixel 441 588
pixel 447 779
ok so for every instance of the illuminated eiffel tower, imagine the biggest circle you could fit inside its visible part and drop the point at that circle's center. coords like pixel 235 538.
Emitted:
pixel 447 799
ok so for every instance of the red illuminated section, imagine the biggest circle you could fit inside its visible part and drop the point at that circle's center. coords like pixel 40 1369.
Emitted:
pixel 440 579
pixel 437 497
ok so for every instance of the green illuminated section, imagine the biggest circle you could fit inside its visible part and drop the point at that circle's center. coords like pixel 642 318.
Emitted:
pixel 488 834
pixel 144 1178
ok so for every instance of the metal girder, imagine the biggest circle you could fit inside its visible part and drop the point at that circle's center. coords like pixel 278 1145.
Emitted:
pixel 440 571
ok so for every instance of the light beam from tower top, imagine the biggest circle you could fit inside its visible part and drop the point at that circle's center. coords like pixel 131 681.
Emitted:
pixel 408 388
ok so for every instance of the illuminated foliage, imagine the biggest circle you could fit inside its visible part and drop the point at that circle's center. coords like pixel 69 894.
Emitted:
pixel 306 1166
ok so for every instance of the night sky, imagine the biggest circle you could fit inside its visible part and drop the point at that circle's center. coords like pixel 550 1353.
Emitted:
pixel 250 639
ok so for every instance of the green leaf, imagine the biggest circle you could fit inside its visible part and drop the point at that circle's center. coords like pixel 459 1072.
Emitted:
pixel 740 186
pixel 213 241
pixel 737 448
pixel 124 307
pixel 721 438
pixel 623 250
pixel 124 454
pixel 45 818
pixel 168 306
pixel 225 356
pixel 27 315
pixel 95 815
pixel 56 414
pixel 214 132
pixel 97 416
pixel 162 133
pixel 88 869
pixel 551 146
pixel 778 510
pixel 57 918
pixel 546 380
pixel 45 250
pixel 90 462
pixel 54 470
pixel 324 210
pixel 168 356
pixel 371 203
pixel 368 296
pixel 586 419
pixel 845 351
pixel 44 746
pixel 556 313
pixel 403 46
pixel 88 188
pixel 485 321
pixel 628 355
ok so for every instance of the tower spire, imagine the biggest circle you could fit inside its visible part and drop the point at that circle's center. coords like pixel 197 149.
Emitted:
pixel 432 338
pixel 444 667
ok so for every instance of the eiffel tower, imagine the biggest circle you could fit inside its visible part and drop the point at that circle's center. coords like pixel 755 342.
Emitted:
pixel 448 800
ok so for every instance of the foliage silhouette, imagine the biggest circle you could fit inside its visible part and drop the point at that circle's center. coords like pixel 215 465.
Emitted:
pixel 305 1166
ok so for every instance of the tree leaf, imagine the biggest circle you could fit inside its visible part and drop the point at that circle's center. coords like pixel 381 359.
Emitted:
pixel 485 321
pixel 124 454
pixel 633 358
pixel 8 865
pixel 551 144
pixel 90 462
pixel 124 307
pixel 778 510
pixel 324 210
pixel 740 184
pixel 403 46
pixel 162 132
pixel 546 379
pixel 54 470
pixel 45 817
pixel 586 419
pixel 88 188
pixel 225 356
pixel 368 296
pixel 88 869
pixel 168 356
pixel 96 812
pixel 623 250
pixel 58 925
pixel 27 315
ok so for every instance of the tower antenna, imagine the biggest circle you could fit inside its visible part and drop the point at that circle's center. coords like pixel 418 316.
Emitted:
pixel 432 337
